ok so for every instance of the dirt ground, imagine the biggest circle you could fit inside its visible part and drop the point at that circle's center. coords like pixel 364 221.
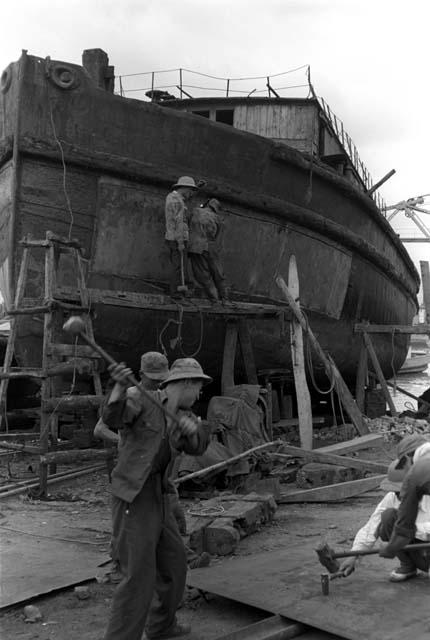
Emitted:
pixel 81 511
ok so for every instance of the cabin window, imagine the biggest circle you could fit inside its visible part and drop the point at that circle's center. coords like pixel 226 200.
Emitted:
pixel 204 114
pixel 225 116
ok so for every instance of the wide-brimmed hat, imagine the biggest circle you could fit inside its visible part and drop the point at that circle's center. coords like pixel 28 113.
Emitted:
pixel 185 369
pixel 154 365
pixel 185 181
pixel 394 479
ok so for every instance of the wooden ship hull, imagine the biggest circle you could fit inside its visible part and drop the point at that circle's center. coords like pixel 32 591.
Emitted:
pixel 64 137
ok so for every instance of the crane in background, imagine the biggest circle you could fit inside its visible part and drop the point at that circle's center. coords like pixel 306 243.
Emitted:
pixel 412 209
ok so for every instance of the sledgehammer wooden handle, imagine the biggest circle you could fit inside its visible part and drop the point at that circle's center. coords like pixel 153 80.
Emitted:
pixel 369 552
pixel 75 325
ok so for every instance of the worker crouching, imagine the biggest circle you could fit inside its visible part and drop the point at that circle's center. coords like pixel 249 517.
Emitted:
pixel 149 546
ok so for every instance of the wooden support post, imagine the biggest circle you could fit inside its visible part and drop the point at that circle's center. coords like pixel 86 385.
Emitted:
pixel 378 371
pixel 304 407
pixel 230 343
pixel 425 283
pixel 247 352
pixel 360 383
pixel 331 369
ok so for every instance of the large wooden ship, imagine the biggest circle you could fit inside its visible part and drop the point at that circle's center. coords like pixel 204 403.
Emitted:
pixel 80 161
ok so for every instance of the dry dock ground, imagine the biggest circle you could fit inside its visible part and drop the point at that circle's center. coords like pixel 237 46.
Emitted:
pixel 81 514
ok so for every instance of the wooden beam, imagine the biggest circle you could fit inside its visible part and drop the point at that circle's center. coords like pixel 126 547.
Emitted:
pixel 304 407
pixel 229 356
pixel 331 369
pixel 390 328
pixel 247 352
pixel 360 383
pixel 363 442
pixel 425 283
pixel 333 492
pixel 75 455
pixel 289 451
pixel 284 423
pixel 378 371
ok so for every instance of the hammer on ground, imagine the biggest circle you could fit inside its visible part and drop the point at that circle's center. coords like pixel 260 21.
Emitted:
pixel 76 327
pixel 328 557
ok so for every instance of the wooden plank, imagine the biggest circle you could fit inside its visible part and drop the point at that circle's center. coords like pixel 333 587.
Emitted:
pixel 269 628
pixel 73 403
pixel 72 350
pixel 293 422
pixel 74 455
pixel 341 388
pixel 333 492
pixel 329 458
pixel 389 328
pixel 230 342
pixel 304 407
pixel 363 442
pixel 378 371
pixel 156 301
pixel 425 284
pixel 360 383
pixel 247 352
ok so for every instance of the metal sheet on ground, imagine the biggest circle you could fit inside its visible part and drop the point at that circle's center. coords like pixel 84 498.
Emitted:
pixel 33 566
pixel 287 582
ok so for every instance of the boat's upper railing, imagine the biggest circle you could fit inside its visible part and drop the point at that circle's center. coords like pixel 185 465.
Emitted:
pixel 193 84
pixel 162 85
pixel 351 150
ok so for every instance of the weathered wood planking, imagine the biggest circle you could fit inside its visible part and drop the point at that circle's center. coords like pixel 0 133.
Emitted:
pixel 362 442
pixel 332 492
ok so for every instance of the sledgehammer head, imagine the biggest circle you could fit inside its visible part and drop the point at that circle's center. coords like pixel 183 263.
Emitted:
pixel 74 325
pixel 327 559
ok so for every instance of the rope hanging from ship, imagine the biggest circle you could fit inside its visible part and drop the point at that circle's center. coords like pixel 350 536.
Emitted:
pixel 178 340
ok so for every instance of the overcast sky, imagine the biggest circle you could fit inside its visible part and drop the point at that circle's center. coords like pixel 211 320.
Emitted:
pixel 369 59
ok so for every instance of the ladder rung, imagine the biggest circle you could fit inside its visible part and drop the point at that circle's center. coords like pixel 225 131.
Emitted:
pixel 70 403
pixel 21 372
pixel 21 311
pixel 80 365
pixel 51 238
pixel 78 350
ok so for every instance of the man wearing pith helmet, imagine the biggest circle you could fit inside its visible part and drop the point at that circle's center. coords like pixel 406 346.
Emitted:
pixel 150 549
pixel 177 216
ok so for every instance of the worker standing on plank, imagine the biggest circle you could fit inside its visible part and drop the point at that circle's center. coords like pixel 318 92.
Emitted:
pixel 381 521
pixel 150 549
pixel 402 529
pixel 177 233
pixel 204 246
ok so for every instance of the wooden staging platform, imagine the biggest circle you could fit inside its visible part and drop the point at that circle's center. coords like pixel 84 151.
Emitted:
pixel 365 606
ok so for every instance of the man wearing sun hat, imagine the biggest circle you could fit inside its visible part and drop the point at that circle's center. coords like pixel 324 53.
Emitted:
pixel 381 522
pixel 177 232
pixel 150 549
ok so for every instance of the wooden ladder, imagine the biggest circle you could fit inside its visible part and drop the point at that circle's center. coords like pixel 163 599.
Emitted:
pixel 58 358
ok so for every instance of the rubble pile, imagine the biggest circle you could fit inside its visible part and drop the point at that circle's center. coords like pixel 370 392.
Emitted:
pixel 394 429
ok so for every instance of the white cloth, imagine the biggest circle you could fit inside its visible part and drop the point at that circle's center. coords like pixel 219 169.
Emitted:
pixel 365 538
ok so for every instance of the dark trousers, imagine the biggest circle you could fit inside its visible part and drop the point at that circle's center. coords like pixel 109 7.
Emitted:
pixel 419 559
pixel 208 273
pixel 153 562
pixel 177 267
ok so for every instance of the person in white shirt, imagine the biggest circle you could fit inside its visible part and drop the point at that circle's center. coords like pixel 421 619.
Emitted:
pixel 382 520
